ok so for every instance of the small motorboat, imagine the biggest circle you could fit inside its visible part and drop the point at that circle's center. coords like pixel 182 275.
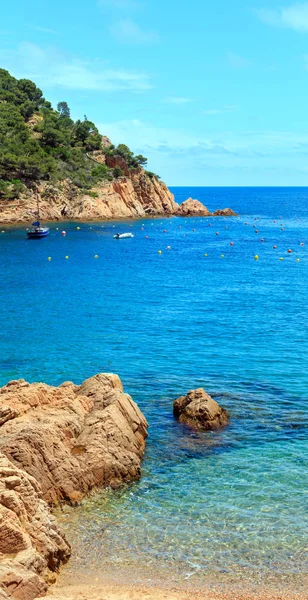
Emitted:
pixel 37 230
pixel 122 236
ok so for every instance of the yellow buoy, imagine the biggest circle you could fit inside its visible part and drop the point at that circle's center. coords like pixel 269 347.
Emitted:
pixel 222 256
pixel 256 257
pixel 281 258
pixel 77 227
pixel 49 258
pixel 57 228
pixel 66 257
pixel 298 260
pixel 95 255
pixel 205 255
pixel 2 231
pixel 159 252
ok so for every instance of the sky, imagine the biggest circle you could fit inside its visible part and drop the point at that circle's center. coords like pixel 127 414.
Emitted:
pixel 211 92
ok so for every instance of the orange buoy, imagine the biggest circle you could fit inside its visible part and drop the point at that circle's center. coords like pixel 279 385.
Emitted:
pixel 302 244
pixel 217 232
pixel 146 237
pixel 257 231
pixel 282 228
pixel 275 247
pixel 63 232
pixel 165 230
pixel 262 239
pixel 290 251
pixel 231 243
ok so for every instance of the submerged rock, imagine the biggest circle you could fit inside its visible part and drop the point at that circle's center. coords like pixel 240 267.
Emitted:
pixel 56 444
pixel 199 411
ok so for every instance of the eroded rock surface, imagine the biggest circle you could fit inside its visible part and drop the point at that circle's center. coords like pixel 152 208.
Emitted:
pixel 56 444
pixel 193 208
pixel 199 411
pixel 31 544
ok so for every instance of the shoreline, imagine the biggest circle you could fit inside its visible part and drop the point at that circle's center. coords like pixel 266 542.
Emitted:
pixel 109 590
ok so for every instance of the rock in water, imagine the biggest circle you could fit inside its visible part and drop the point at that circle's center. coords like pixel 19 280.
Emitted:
pixel 199 411
pixel 56 444
pixel 225 212
pixel 193 208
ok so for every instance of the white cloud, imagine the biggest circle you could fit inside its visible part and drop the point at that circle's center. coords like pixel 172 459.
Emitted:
pixel 128 32
pixel 49 67
pixel 236 61
pixel 177 100
pixel 294 16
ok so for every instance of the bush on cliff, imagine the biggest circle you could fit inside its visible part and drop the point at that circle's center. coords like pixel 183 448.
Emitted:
pixel 39 143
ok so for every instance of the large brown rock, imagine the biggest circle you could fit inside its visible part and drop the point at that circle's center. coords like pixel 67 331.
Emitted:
pixel 56 444
pixel 73 438
pixel 31 544
pixel 193 208
pixel 199 411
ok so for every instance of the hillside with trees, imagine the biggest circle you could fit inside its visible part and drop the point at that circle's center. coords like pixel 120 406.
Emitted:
pixel 39 143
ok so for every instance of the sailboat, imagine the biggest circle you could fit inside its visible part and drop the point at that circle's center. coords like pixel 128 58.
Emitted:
pixel 37 230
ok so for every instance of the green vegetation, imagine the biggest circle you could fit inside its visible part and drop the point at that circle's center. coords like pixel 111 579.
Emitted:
pixel 39 143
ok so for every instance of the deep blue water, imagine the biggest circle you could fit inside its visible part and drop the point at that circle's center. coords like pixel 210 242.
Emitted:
pixel 230 501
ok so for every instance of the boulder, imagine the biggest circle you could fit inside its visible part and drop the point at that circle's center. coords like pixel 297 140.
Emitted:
pixel 225 212
pixel 199 411
pixel 73 438
pixel 192 208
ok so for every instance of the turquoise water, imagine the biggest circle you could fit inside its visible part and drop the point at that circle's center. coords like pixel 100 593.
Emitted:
pixel 220 503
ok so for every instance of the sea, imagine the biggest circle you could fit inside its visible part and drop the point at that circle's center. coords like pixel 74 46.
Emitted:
pixel 218 303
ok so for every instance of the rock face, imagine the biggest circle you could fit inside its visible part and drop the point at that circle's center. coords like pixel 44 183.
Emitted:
pixel 31 543
pixel 193 208
pixel 56 444
pixel 127 197
pixel 199 411
pixel 72 438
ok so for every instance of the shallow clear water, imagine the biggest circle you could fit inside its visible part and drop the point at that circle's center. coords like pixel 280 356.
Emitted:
pixel 233 501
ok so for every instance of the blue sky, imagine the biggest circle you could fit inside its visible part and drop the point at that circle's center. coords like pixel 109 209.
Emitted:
pixel 213 93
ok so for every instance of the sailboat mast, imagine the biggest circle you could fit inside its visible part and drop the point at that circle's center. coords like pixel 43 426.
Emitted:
pixel 38 206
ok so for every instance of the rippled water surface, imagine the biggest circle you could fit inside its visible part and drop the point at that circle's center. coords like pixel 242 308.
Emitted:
pixel 228 502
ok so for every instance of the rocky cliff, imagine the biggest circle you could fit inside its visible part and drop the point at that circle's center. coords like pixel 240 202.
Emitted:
pixel 137 195
pixel 56 444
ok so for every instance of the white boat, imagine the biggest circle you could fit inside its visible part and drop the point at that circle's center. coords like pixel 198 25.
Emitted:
pixel 122 236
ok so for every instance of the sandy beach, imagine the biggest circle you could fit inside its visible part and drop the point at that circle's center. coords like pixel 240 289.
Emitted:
pixel 124 592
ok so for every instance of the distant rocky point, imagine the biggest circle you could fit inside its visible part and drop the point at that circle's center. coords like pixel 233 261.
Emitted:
pixel 199 411
pixel 56 444
pixel 195 208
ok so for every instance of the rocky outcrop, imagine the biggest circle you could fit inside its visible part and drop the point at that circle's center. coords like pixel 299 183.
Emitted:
pixel 31 544
pixel 56 444
pixel 193 208
pixel 199 411
pixel 225 212
pixel 138 195
pixel 72 438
